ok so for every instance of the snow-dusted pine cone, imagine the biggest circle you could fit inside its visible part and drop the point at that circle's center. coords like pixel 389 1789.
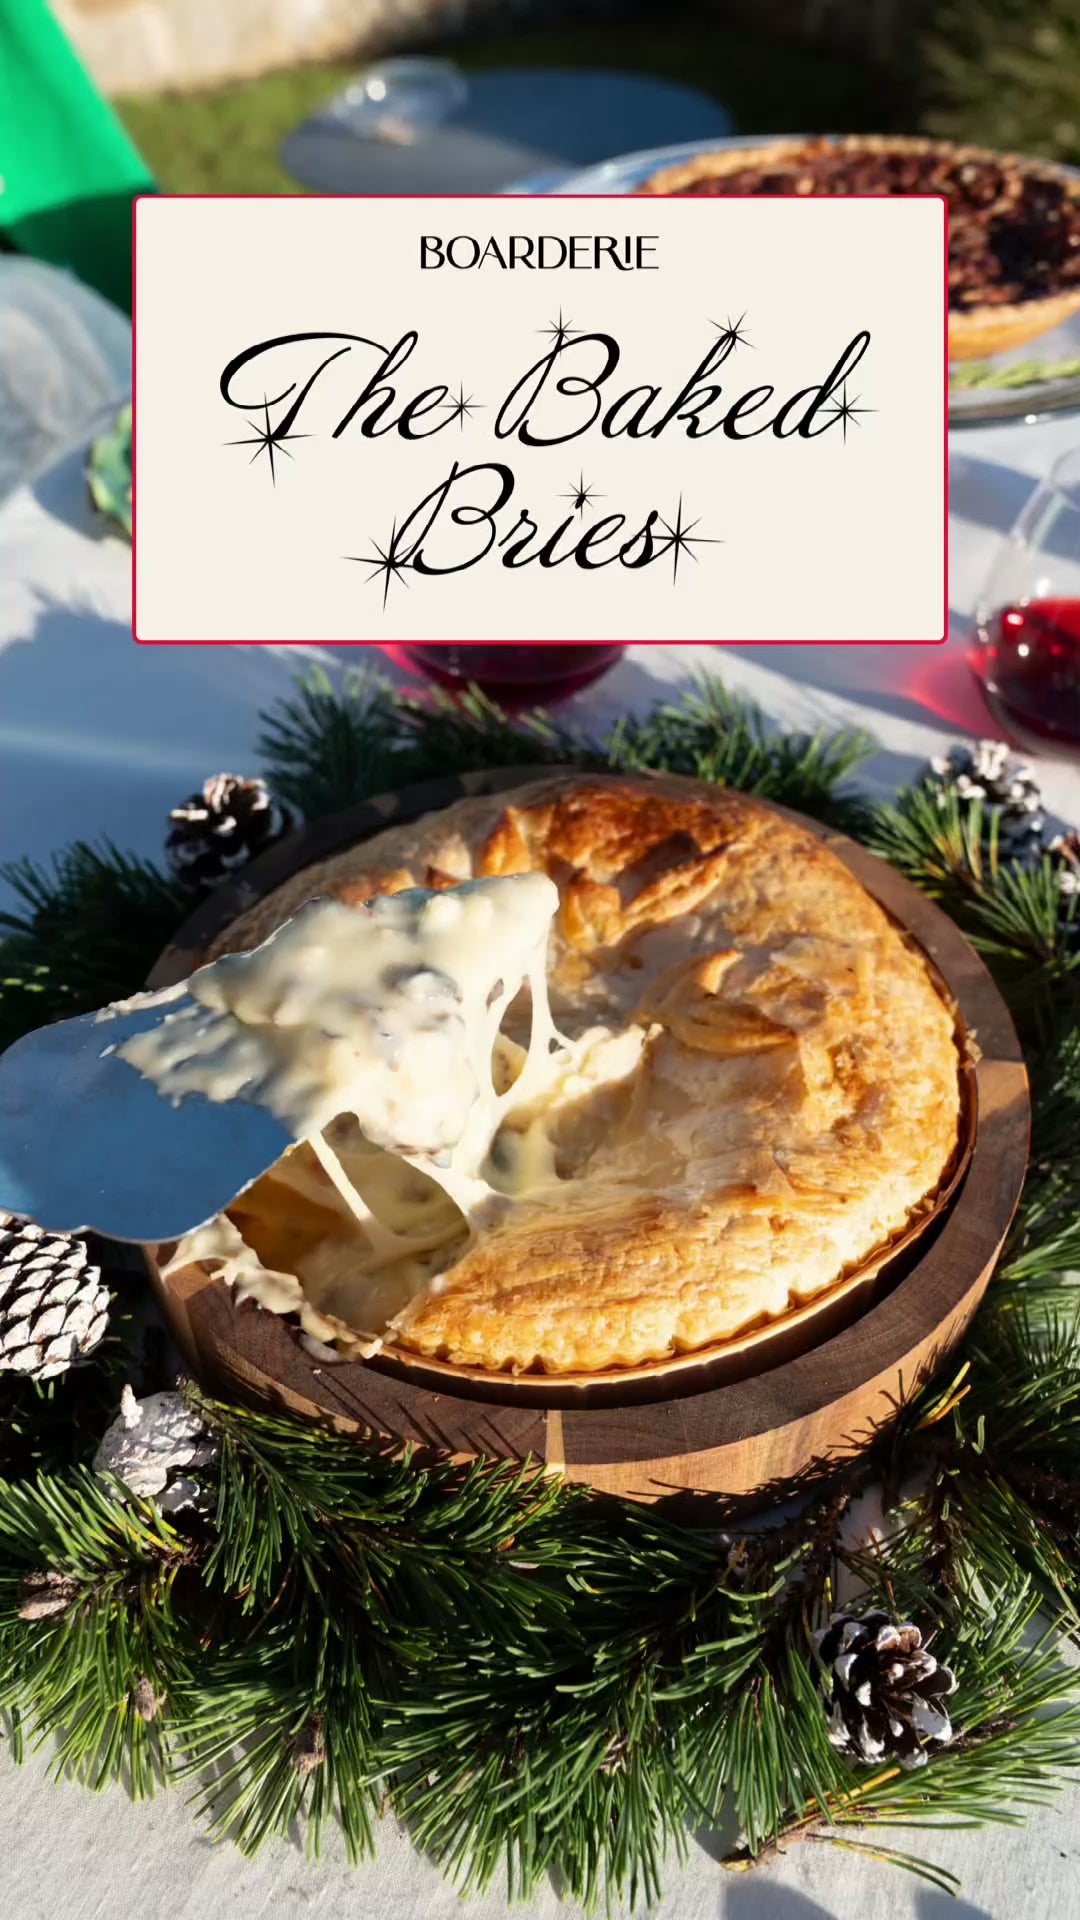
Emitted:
pixel 54 1306
pixel 156 1447
pixel 988 772
pixel 883 1690
pixel 222 827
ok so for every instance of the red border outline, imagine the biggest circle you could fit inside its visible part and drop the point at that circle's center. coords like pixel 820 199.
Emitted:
pixel 733 640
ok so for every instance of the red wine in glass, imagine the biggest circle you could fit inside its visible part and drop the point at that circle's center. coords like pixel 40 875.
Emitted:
pixel 1028 617
pixel 1031 668
pixel 516 675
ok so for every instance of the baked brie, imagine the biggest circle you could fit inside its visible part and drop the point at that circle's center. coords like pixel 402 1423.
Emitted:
pixel 748 1087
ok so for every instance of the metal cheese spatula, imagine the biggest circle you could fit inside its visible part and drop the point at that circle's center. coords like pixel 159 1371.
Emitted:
pixel 87 1143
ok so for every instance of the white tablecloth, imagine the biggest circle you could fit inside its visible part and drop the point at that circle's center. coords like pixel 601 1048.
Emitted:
pixel 98 736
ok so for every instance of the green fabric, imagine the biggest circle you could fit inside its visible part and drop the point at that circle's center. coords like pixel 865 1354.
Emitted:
pixel 69 170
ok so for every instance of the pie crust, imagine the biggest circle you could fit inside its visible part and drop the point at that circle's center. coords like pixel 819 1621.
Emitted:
pixel 974 332
pixel 797 1101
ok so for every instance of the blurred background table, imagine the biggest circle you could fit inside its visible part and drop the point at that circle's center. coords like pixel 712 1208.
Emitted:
pixel 425 126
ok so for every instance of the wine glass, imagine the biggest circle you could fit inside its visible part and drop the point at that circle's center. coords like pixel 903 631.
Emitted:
pixel 516 675
pixel 1028 618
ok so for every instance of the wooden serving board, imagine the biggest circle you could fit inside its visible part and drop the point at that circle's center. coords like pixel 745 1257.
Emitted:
pixel 802 1399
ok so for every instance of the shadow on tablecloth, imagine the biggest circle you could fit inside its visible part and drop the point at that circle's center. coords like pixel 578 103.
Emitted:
pixel 760 1897
pixel 799 687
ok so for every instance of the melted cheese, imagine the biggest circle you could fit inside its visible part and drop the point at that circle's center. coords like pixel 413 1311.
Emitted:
pixel 388 1012
pixel 373 1034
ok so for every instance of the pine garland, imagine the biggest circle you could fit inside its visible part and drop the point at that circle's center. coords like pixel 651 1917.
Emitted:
pixel 540 1680
pixel 93 924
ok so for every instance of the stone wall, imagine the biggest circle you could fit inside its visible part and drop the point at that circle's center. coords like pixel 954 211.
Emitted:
pixel 148 45
pixel 135 46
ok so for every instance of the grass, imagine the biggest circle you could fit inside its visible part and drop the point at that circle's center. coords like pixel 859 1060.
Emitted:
pixel 227 141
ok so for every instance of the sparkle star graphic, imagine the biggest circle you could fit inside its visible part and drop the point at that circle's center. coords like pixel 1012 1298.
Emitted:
pixel 846 410
pixel 731 333
pixel 581 495
pixel 387 564
pixel 559 332
pixel 679 540
pixel 268 440
pixel 461 408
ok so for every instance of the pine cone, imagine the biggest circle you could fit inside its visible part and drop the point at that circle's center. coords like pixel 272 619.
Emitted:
pixel 149 1446
pixel 54 1306
pixel 882 1690
pixel 988 772
pixel 222 827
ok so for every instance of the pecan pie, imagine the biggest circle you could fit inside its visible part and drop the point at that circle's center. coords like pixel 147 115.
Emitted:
pixel 764 1092
pixel 1014 225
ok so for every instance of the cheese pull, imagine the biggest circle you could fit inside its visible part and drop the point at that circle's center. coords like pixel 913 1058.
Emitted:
pixel 388 1012
pixel 375 1035
pixel 146 1119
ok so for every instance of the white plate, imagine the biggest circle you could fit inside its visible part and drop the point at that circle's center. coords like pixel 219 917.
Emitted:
pixel 631 170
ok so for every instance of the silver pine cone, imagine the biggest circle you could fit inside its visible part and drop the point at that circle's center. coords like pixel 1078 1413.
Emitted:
pixel 54 1306
pixel 883 1690
pixel 156 1447
pixel 1006 787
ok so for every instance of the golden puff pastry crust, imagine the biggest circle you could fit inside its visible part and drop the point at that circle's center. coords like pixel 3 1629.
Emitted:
pixel 797 1097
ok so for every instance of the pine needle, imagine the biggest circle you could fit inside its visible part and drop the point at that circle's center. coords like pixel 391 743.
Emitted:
pixel 538 1680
